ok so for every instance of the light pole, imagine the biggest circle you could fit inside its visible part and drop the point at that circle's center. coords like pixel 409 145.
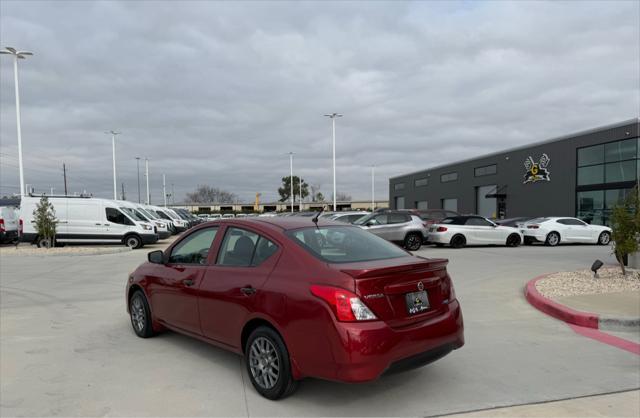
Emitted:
pixel 16 56
pixel 373 188
pixel 138 166
pixel 333 117
pixel 113 149
pixel 291 179
pixel 146 171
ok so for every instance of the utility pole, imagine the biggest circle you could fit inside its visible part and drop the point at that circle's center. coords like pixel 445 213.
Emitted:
pixel 64 173
pixel 113 150
pixel 138 166
pixel 146 171
pixel 333 117
pixel 300 189
pixel 373 188
pixel 18 55
pixel 164 189
pixel 173 195
pixel 291 179
pixel 123 195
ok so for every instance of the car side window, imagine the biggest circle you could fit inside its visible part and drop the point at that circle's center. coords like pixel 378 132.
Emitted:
pixel 398 218
pixel 478 222
pixel 576 222
pixel 117 217
pixel 242 248
pixel 564 221
pixel 380 220
pixel 194 249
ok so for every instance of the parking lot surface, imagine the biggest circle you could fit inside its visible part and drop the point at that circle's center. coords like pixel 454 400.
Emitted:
pixel 67 348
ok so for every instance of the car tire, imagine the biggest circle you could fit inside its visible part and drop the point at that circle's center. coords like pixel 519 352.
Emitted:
pixel 513 240
pixel 133 241
pixel 413 241
pixel 42 242
pixel 458 241
pixel 553 239
pixel 140 315
pixel 604 238
pixel 268 364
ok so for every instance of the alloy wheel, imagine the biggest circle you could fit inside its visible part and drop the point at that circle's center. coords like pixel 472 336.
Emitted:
pixel 138 314
pixel 264 363
pixel 553 239
pixel 604 238
pixel 413 242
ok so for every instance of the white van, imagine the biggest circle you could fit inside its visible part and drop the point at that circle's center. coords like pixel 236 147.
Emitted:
pixel 8 224
pixel 166 213
pixel 88 220
pixel 140 216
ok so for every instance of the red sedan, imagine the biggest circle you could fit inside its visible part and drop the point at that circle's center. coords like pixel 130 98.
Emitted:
pixel 299 299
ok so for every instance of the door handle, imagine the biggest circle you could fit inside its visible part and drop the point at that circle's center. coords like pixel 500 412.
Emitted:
pixel 188 282
pixel 248 291
pixel 98 224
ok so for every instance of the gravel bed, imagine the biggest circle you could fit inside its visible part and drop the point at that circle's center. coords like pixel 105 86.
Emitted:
pixel 582 282
pixel 31 250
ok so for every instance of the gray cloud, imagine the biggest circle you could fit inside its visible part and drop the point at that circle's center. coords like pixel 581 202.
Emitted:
pixel 219 92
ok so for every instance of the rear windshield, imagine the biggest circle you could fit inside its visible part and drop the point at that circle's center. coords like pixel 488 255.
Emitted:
pixel 344 244
pixel 537 220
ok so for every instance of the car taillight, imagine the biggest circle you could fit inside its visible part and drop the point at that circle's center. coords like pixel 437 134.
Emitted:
pixel 20 227
pixel 448 292
pixel 442 229
pixel 533 226
pixel 346 305
pixel 1 225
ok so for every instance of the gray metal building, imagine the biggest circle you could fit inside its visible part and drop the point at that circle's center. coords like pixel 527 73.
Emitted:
pixel 582 174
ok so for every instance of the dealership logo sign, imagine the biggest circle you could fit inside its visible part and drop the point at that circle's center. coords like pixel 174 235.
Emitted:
pixel 537 171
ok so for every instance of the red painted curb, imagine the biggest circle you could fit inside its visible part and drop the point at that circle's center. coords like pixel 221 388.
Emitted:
pixel 556 310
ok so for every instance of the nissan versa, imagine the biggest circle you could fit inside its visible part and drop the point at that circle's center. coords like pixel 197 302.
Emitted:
pixel 299 297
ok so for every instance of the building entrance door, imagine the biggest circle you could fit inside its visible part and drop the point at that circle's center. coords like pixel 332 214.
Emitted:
pixel 486 206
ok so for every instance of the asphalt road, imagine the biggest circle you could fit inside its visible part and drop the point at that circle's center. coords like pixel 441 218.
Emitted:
pixel 67 348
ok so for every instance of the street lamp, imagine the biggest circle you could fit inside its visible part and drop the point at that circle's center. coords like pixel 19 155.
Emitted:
pixel 291 179
pixel 113 147
pixel 333 117
pixel 138 166
pixel 16 56
pixel 373 188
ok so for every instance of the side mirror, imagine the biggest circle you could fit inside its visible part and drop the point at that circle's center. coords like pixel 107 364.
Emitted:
pixel 370 223
pixel 156 257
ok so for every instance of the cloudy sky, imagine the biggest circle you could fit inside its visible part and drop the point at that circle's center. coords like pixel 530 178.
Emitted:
pixel 218 92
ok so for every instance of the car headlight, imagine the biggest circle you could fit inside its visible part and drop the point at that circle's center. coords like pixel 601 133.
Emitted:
pixel 159 224
pixel 147 227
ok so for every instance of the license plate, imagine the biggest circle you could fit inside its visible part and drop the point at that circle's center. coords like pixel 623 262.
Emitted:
pixel 417 302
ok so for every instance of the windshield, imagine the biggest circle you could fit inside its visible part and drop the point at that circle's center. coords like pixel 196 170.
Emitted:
pixel 132 214
pixel 141 215
pixel 148 214
pixel 344 244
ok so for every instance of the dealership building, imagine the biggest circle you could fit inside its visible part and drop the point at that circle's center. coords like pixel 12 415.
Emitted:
pixel 583 174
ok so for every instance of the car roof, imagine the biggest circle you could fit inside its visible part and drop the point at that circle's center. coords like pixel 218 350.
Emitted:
pixel 285 223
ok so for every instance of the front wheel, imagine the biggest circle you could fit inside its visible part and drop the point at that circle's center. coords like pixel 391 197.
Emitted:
pixel 140 315
pixel 268 364
pixel 133 242
pixel 604 238
pixel 513 240
pixel 553 239
pixel 413 241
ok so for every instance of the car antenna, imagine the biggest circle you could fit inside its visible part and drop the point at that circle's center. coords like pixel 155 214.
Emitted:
pixel 315 218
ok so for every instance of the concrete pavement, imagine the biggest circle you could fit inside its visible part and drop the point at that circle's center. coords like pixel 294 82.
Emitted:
pixel 68 349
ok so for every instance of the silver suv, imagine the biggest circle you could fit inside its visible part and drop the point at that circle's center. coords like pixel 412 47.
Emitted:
pixel 396 226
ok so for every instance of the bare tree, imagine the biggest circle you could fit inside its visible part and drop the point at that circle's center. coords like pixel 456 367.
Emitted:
pixel 208 194
pixel 343 197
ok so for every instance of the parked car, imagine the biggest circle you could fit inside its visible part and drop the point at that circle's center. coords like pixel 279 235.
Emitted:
pixel 151 214
pixel 299 299
pixel 88 220
pixel 512 222
pixel 138 215
pixel 460 231
pixel 433 216
pixel 179 224
pixel 555 230
pixel 213 216
pixel 228 215
pixel 400 227
pixel 348 217
pixel 9 225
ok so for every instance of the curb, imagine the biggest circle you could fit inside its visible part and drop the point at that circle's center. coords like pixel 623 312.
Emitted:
pixel 571 316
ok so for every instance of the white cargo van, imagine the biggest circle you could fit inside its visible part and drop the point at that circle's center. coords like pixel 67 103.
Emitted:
pixel 149 213
pixel 138 215
pixel 8 224
pixel 166 213
pixel 88 220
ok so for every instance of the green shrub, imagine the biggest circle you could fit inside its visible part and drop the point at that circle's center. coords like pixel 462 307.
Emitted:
pixel 625 225
pixel 45 219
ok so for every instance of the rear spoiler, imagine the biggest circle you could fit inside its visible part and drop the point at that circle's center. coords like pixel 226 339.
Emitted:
pixel 433 264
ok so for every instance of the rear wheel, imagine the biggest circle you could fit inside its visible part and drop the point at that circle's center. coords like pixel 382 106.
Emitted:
pixel 513 240
pixel 458 241
pixel 604 238
pixel 553 239
pixel 413 241
pixel 268 364
pixel 133 241
pixel 140 315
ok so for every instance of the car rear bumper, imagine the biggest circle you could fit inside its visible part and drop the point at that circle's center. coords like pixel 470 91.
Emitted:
pixel 8 236
pixel 534 234
pixel 370 349
pixel 436 238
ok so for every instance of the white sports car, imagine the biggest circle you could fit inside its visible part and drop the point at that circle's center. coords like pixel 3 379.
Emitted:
pixel 553 231
pixel 458 231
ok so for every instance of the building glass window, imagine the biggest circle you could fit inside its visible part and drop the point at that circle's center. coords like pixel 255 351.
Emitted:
pixel 591 155
pixel 422 204
pixel 591 175
pixel 591 207
pixel 398 186
pixel 622 171
pixel 620 150
pixel 399 202
pixel 421 182
pixel 447 177
pixel 486 170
